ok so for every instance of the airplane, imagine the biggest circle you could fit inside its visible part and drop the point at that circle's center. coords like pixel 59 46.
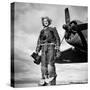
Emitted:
pixel 76 36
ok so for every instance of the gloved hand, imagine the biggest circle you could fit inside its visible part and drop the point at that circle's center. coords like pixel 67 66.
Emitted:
pixel 57 47
pixel 36 52
pixel 58 53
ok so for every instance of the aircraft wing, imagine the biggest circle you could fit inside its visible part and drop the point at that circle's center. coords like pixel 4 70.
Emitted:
pixel 72 56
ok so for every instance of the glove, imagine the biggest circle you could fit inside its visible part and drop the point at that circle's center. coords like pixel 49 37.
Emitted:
pixel 57 47
pixel 58 54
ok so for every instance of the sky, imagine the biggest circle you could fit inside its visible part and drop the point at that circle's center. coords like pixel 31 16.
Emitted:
pixel 28 25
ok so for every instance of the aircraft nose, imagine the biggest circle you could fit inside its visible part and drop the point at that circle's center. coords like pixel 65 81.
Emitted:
pixel 65 26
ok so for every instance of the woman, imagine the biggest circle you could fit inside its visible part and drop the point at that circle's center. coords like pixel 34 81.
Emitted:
pixel 48 43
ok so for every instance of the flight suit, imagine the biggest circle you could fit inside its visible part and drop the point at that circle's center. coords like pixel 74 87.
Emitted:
pixel 47 41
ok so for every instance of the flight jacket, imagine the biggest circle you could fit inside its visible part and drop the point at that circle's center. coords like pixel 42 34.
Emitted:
pixel 49 35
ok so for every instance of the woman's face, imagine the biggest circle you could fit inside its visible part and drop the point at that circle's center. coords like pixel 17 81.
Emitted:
pixel 45 22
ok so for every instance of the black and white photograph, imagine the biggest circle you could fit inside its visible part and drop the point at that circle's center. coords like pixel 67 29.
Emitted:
pixel 49 44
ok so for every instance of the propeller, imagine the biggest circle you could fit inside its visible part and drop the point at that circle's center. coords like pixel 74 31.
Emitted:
pixel 66 26
pixel 67 16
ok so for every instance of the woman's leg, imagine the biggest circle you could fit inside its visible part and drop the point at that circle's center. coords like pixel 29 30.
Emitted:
pixel 51 65
pixel 44 67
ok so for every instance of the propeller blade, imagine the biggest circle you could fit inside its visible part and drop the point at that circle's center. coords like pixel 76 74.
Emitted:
pixel 67 16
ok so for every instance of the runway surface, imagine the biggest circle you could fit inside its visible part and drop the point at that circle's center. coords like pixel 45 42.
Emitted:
pixel 74 73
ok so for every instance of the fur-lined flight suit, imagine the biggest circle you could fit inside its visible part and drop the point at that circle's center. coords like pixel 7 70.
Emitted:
pixel 47 41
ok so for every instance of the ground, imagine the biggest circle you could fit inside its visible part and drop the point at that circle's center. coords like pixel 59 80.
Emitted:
pixel 74 73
